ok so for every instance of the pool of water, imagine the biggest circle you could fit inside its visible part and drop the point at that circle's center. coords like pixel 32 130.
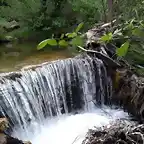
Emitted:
pixel 15 56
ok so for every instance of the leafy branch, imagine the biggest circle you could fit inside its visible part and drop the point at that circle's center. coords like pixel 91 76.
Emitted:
pixel 72 39
pixel 127 34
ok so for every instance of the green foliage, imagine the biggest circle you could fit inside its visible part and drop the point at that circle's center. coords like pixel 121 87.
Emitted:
pixel 139 71
pixel 128 9
pixel 52 16
pixel 128 40
pixel 63 43
pixel 75 39
pixel 122 51
pixel 71 35
pixel 59 16
pixel 123 33
pixel 133 31
pixel 107 37
pixel 79 27
pixel 89 11
pixel 22 11
pixel 51 42
pixel 129 35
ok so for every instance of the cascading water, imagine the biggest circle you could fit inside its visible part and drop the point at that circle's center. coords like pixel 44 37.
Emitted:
pixel 33 98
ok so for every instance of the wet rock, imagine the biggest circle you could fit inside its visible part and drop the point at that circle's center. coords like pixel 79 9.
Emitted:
pixel 13 75
pixel 2 138
pixel 11 140
pixel 6 139
pixel 27 142
pixel 3 124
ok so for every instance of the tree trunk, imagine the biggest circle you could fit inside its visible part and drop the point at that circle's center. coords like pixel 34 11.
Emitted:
pixel 110 10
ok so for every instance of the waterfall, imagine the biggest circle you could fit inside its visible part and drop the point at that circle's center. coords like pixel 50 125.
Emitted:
pixel 52 89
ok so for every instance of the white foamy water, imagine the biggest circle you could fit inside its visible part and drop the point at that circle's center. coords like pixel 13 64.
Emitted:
pixel 69 129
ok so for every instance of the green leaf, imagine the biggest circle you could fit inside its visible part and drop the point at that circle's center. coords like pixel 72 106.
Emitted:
pixel 122 51
pixel 79 27
pixel 71 35
pixel 52 42
pixel 130 26
pixel 141 23
pixel 63 43
pixel 77 41
pixel 106 37
pixel 42 44
pixel 138 32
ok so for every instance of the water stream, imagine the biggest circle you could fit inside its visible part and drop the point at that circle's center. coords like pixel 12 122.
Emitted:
pixel 58 101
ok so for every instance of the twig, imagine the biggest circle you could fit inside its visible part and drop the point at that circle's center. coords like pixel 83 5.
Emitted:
pixel 102 109
pixel 76 139
pixel 102 56
pixel 140 134
pixel 108 24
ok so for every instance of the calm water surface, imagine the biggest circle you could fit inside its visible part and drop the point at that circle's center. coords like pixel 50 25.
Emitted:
pixel 15 56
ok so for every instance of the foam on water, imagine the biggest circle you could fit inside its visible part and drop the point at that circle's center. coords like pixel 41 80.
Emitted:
pixel 69 129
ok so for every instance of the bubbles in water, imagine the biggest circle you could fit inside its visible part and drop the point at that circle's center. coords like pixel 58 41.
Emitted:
pixel 69 129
